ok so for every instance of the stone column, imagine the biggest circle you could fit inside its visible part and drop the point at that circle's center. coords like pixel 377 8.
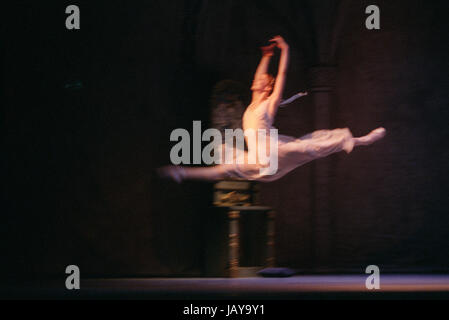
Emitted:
pixel 322 79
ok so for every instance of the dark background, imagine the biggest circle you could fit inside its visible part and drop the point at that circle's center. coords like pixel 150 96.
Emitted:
pixel 78 162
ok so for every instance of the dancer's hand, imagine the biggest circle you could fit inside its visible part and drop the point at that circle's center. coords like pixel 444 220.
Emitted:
pixel 302 94
pixel 279 42
pixel 268 50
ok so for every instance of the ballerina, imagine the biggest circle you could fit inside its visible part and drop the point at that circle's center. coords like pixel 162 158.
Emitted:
pixel 291 152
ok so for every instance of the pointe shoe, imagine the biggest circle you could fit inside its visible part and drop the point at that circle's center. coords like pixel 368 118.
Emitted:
pixel 377 134
pixel 371 137
pixel 174 173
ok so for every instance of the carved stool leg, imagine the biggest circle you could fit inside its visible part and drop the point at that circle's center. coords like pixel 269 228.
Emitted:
pixel 233 243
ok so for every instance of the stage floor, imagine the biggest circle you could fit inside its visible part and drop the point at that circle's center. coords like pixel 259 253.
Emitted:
pixel 297 287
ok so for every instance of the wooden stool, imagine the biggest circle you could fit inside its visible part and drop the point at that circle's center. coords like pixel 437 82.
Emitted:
pixel 239 241
pixel 228 193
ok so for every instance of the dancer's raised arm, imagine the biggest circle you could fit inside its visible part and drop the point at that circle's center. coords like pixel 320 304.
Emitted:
pixel 279 84
pixel 262 68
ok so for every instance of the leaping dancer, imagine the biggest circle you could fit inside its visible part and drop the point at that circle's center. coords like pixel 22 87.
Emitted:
pixel 292 152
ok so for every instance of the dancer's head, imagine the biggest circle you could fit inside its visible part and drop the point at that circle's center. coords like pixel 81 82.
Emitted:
pixel 264 83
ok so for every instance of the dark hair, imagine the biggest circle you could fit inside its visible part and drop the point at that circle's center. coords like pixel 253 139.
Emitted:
pixel 271 80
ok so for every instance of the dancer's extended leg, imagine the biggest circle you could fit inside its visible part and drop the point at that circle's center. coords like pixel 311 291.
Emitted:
pixel 180 173
pixel 291 155
pixel 243 171
pixel 318 145
pixel 309 148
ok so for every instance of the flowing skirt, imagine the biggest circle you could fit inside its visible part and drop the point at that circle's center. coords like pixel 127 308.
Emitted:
pixel 294 152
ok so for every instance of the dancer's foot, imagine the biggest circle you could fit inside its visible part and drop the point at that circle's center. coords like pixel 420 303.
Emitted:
pixel 371 137
pixel 174 173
